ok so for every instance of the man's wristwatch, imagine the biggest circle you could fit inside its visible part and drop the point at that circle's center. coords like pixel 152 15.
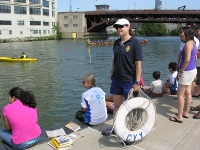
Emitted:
pixel 138 82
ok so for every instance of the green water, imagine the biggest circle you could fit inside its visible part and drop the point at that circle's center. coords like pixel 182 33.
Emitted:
pixel 56 78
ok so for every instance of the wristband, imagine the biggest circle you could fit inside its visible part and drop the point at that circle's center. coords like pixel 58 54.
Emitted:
pixel 180 71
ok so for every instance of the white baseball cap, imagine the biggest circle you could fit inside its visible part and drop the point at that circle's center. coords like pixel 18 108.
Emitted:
pixel 122 22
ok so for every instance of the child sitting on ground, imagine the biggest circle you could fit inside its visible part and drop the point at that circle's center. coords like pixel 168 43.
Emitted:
pixel 93 110
pixel 155 90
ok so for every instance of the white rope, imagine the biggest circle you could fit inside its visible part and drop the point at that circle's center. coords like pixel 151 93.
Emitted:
pixel 135 116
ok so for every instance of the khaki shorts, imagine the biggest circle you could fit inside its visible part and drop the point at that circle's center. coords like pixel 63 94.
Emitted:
pixel 187 77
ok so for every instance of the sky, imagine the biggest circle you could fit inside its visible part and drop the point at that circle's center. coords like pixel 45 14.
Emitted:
pixel 88 5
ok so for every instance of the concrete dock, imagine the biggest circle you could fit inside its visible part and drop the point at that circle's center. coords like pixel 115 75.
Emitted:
pixel 167 135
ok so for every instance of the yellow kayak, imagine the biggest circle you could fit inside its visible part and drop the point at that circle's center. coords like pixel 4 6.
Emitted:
pixel 14 59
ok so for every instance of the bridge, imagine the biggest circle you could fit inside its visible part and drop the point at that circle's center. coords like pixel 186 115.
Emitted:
pixel 98 20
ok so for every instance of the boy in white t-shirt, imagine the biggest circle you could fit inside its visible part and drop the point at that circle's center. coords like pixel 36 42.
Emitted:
pixel 155 90
pixel 93 111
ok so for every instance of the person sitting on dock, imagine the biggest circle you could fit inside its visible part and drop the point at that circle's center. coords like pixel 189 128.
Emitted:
pixel 155 90
pixel 20 120
pixel 93 111
pixel 171 86
pixel 23 56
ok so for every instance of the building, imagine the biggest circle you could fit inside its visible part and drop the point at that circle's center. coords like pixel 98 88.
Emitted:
pixel 72 24
pixel 27 18
pixel 158 4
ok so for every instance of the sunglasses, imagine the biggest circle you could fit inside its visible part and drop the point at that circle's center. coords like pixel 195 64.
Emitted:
pixel 85 82
pixel 118 26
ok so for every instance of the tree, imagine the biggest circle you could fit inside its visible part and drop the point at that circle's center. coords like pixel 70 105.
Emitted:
pixel 175 32
pixel 59 34
pixel 153 29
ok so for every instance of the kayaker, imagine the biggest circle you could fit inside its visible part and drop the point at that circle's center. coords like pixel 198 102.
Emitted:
pixel 24 55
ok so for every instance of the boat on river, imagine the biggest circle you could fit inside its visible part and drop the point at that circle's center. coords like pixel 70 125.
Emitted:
pixel 100 42
pixel 15 59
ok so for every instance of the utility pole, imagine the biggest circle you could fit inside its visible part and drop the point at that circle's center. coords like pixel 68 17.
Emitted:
pixel 134 6
pixel 128 4
pixel 70 6
pixel 94 5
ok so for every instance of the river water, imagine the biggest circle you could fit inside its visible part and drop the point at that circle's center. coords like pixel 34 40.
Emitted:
pixel 56 78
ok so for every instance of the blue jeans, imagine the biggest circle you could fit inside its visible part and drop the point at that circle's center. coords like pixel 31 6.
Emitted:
pixel 6 136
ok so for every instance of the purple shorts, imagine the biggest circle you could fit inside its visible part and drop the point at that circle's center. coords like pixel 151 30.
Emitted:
pixel 121 88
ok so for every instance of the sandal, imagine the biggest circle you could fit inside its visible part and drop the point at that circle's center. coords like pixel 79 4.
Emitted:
pixel 195 108
pixel 107 132
pixel 174 119
pixel 197 115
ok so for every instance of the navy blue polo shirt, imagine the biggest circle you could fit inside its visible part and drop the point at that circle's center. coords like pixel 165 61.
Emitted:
pixel 125 56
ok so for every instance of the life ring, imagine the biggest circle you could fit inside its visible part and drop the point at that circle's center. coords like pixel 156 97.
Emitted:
pixel 120 119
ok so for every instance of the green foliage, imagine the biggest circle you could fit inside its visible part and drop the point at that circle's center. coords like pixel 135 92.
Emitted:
pixel 175 32
pixel 59 34
pixel 4 40
pixel 154 29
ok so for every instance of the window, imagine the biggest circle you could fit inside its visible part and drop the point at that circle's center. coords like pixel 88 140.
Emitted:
pixel 20 10
pixel 20 1
pixel 39 31
pixel 34 1
pixel 46 3
pixel 5 22
pixel 53 23
pixel 53 5
pixel 65 17
pixel 53 14
pixel 45 12
pixel 65 25
pixel 75 25
pixel 5 9
pixel 35 31
pixel 35 11
pixel 44 31
pixel 21 32
pixel 45 23
pixel 20 22
pixel 33 23
pixel 10 31
pixel 75 17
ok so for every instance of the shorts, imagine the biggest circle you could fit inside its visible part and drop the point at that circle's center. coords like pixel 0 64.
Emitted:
pixel 156 94
pixel 121 88
pixel 198 76
pixel 187 77
pixel 173 92
pixel 80 116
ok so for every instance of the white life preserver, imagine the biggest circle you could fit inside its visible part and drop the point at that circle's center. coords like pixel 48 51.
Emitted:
pixel 120 119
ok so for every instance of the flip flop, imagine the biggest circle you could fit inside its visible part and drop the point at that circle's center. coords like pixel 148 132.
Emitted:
pixel 193 95
pixel 174 119
pixel 183 116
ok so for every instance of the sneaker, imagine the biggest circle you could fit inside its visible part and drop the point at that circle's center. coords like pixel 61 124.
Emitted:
pixel 127 143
